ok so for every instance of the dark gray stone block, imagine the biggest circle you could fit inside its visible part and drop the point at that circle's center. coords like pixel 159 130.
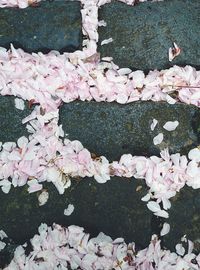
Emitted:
pixel 143 34
pixel 184 218
pixel 50 26
pixel 11 127
pixel 114 208
pixel 114 129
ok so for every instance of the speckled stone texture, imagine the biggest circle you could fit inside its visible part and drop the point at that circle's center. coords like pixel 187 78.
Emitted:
pixel 143 34
pixel 113 129
pixel 49 26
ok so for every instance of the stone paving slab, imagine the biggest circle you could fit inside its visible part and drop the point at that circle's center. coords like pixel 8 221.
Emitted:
pixel 143 34
pixel 53 25
pixel 113 129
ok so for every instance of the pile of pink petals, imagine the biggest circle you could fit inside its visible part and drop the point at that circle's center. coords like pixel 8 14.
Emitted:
pixel 71 248
pixel 53 78
pixel 26 3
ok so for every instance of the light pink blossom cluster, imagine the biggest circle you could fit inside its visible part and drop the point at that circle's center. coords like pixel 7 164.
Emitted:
pixel 26 3
pixel 52 78
pixel 17 3
pixel 71 248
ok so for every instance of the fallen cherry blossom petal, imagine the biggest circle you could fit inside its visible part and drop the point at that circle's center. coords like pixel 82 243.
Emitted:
pixel 171 125
pixel 69 210
pixel 43 197
pixel 154 124
pixel 165 229
pixel 158 139
pixel 194 154
pixel 106 41
pixel 153 206
pixel 34 186
pixel 19 104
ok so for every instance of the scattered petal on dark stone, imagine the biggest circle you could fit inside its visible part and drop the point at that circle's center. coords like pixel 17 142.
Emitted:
pixel 114 208
pixel 184 218
pixel 143 34
pixel 113 129
pixel 11 127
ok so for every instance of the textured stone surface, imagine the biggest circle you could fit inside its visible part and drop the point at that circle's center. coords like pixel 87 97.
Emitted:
pixel 184 218
pixel 114 129
pixel 11 127
pixel 114 208
pixel 41 28
pixel 143 34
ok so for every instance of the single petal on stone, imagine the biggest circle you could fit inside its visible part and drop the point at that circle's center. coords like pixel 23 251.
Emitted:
pixel 2 245
pixel 43 197
pixel 194 154
pixel 158 139
pixel 171 125
pixel 106 41
pixel 153 206
pixel 146 198
pixel 170 100
pixel 162 213
pixel 69 210
pixel 34 186
pixel 154 124
pixel 124 71
pixel 5 185
pixel 19 104
pixel 180 250
pixel 22 141
pixel 3 234
pixel 165 229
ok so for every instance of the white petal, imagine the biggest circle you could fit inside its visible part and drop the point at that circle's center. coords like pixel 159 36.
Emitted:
pixel 162 213
pixel 122 98
pixel 34 186
pixel 2 245
pixel 166 203
pixel 22 141
pixel 19 104
pixel 171 125
pixel 165 229
pixel 138 78
pixel 154 124
pixel 5 185
pixel 170 100
pixel 69 210
pixel 153 206
pixel 124 71
pixel 194 154
pixel 53 174
pixel 146 198
pixel 43 197
pixel 3 234
pixel 6 188
pixel 106 41
pixel 180 250
pixel 158 139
